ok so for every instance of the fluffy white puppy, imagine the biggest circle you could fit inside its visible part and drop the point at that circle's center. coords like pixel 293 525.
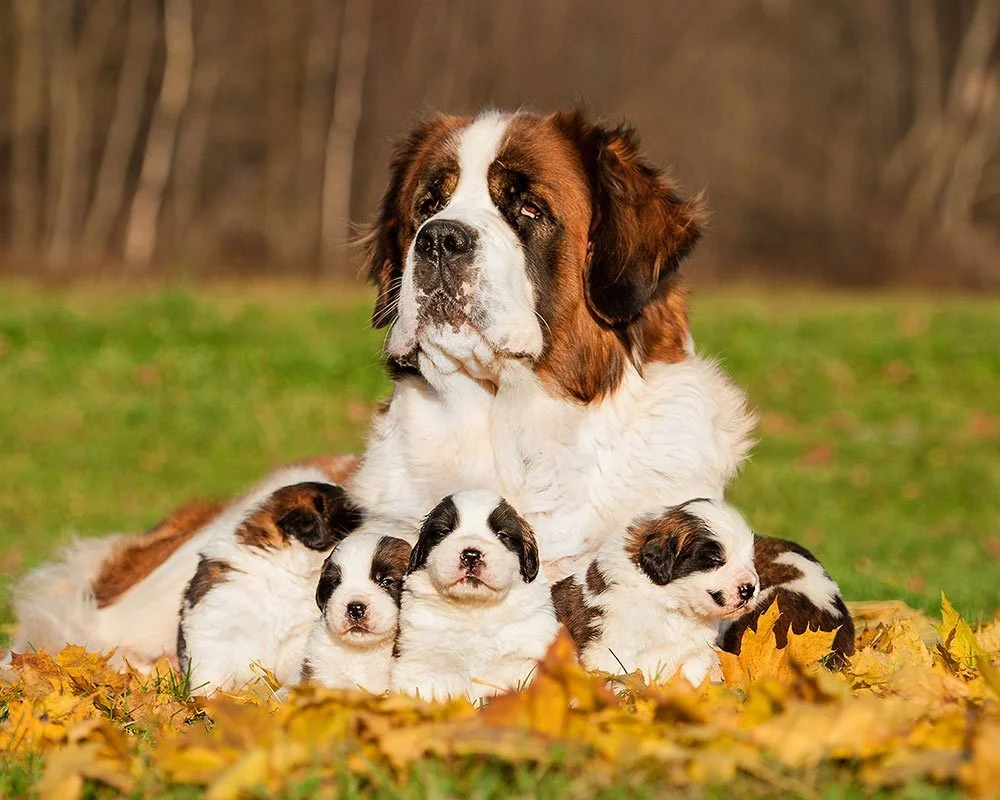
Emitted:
pixel 654 596
pixel 251 598
pixel 358 595
pixel 476 615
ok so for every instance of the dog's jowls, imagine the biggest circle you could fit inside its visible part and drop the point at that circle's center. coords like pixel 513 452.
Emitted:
pixel 476 614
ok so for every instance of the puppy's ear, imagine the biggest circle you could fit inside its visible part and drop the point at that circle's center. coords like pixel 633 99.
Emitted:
pixel 657 557
pixel 329 580
pixel 517 536
pixel 442 520
pixel 308 527
pixel 323 518
pixel 529 556
pixel 385 240
pixel 640 227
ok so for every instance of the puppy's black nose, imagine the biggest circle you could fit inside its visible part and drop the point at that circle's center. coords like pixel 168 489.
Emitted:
pixel 470 558
pixel 747 591
pixel 356 611
pixel 443 240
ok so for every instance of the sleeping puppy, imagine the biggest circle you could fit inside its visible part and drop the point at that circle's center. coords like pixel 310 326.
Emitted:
pixel 251 597
pixel 654 596
pixel 806 595
pixel 350 645
pixel 476 616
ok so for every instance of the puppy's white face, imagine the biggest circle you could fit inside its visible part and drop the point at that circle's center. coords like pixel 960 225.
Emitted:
pixel 475 548
pixel 466 298
pixel 701 554
pixel 360 587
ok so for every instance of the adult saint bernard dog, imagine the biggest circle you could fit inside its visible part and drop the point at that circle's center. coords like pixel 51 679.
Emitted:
pixel 539 345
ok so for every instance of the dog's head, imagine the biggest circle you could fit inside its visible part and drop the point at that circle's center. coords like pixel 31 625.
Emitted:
pixel 545 240
pixel 702 555
pixel 316 515
pixel 360 587
pixel 475 548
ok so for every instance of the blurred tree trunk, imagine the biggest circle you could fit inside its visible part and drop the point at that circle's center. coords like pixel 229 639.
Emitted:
pixel 938 164
pixel 193 138
pixel 72 95
pixel 27 117
pixel 143 224
pixel 347 108
pixel 317 88
pixel 112 186
pixel 280 113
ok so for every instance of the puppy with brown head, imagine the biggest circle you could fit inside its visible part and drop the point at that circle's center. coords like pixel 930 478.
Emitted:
pixel 358 595
pixel 251 598
pixel 476 614
pixel 653 598
pixel 807 598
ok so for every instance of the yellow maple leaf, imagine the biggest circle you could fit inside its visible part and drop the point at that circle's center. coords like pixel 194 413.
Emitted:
pixel 895 647
pixel 958 639
pixel 760 657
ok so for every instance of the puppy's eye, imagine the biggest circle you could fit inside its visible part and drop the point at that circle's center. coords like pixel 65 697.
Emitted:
pixel 387 583
pixel 530 210
pixel 503 536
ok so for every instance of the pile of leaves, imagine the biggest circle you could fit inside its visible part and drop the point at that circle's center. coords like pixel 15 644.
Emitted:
pixel 919 701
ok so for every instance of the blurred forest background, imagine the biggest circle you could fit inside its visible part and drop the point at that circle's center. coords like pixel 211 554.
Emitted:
pixel 838 141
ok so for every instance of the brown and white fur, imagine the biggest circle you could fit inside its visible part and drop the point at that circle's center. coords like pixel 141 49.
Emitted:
pixel 807 597
pixel 124 592
pixel 654 596
pixel 476 614
pixel 538 334
pixel 350 645
pixel 251 598
pixel 527 268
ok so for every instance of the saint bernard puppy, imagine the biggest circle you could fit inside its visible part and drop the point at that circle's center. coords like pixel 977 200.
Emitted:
pixel 350 645
pixel 807 598
pixel 251 598
pixel 476 614
pixel 653 597
pixel 124 593
pixel 538 333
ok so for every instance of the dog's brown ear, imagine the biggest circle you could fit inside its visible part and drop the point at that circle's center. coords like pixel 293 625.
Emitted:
pixel 640 227
pixel 385 240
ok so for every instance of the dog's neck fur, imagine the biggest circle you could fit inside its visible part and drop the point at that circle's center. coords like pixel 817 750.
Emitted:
pixel 576 472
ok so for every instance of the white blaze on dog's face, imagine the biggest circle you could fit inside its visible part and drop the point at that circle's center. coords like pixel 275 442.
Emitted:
pixel 545 240
pixel 702 554
pixel 474 548
pixel 360 587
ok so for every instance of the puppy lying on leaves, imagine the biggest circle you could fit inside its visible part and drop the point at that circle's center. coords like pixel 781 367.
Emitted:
pixel 807 598
pixel 358 595
pixel 251 598
pixel 655 595
pixel 476 614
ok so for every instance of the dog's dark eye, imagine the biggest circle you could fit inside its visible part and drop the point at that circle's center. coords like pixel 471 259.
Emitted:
pixel 503 536
pixel 717 561
pixel 387 583
pixel 429 206
pixel 530 210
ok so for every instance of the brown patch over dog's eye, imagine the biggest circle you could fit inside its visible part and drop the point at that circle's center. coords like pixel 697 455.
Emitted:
pixel 389 563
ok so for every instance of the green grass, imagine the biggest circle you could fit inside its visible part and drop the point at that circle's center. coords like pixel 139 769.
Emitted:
pixel 878 449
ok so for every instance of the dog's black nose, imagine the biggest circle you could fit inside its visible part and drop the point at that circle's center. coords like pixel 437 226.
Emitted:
pixel 444 239
pixel 356 611
pixel 470 558
pixel 747 591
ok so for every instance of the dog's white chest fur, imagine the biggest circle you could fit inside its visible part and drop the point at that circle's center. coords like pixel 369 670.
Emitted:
pixel 575 472
pixel 447 650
